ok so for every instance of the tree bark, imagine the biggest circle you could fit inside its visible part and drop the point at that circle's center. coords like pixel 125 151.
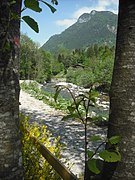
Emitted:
pixel 10 145
pixel 122 95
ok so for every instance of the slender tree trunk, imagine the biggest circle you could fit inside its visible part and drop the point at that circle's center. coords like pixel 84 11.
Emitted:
pixel 87 172
pixel 122 95
pixel 10 146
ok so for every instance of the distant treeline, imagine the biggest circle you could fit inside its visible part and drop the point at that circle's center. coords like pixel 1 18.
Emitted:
pixel 84 67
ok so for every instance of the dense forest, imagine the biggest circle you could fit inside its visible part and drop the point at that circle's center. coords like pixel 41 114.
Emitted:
pixel 84 67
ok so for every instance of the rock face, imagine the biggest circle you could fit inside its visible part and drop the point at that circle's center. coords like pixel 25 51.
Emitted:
pixel 84 18
pixel 94 27
pixel 112 29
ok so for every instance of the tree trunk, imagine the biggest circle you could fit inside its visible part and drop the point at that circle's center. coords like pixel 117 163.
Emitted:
pixel 10 146
pixel 122 95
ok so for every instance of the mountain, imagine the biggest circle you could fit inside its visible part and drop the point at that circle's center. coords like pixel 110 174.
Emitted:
pixel 94 27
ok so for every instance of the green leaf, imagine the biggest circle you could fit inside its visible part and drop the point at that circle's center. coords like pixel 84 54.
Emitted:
pixel 55 2
pixel 33 5
pixel 71 109
pixel 31 22
pixel 90 154
pixel 78 101
pixel 114 139
pixel 93 99
pixel 51 7
pixel 95 138
pixel 94 94
pixel 110 156
pixel 92 165
pixel 58 89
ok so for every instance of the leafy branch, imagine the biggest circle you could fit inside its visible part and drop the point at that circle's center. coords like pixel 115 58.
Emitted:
pixel 34 5
pixel 110 155
pixel 85 101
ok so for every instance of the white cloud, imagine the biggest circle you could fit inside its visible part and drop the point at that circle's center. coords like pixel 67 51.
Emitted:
pixel 82 10
pixel 108 5
pixel 65 22
pixel 102 5
pixel 68 22
pixel 115 2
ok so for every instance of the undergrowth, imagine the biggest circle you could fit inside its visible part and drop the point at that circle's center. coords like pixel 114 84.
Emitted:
pixel 35 165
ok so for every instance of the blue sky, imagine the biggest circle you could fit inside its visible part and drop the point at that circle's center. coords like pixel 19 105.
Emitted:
pixel 67 13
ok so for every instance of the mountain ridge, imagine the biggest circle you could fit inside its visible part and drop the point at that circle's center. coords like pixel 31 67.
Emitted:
pixel 96 27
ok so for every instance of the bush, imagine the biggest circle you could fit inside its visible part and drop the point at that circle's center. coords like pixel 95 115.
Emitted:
pixel 35 166
pixel 80 77
pixel 103 74
pixel 71 75
pixel 85 79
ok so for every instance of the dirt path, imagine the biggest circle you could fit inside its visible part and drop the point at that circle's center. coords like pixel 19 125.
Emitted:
pixel 71 132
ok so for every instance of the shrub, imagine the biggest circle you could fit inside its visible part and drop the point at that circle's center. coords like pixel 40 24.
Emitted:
pixel 80 77
pixel 85 79
pixel 103 74
pixel 71 75
pixel 35 166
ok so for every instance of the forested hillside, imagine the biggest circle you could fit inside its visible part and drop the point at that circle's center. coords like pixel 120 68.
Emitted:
pixel 95 27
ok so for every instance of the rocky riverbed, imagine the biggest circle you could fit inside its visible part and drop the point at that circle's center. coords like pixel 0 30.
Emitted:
pixel 71 132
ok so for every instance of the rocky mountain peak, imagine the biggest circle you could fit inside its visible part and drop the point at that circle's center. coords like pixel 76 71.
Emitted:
pixel 93 12
pixel 96 27
pixel 86 17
